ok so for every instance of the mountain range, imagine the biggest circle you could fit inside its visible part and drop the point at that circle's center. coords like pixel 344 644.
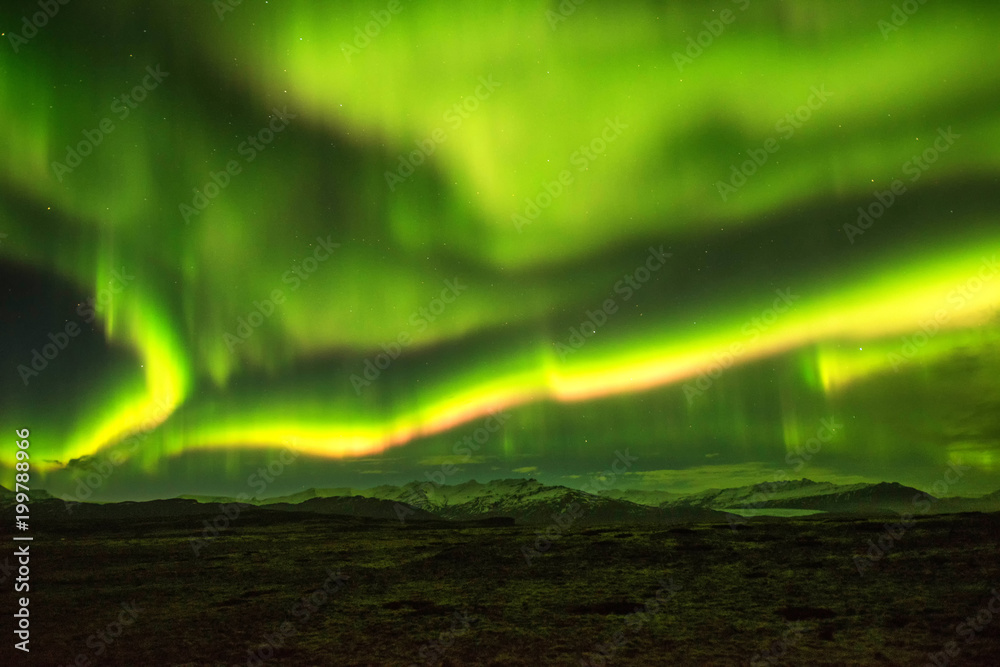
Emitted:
pixel 527 501
pixel 524 498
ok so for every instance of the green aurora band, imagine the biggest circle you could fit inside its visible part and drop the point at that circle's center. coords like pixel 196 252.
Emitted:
pixel 893 328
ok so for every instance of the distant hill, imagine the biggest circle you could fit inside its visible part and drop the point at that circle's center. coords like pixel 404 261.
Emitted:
pixel 55 508
pixel 527 501
pixel 372 508
pixel 857 498
pixel 218 500
pixel 805 494
pixel 988 503
pixel 308 494
pixel 6 495
pixel 641 497
pixel 746 496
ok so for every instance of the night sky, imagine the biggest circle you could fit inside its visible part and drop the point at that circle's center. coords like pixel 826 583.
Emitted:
pixel 739 240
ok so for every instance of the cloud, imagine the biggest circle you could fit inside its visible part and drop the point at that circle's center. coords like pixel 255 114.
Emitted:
pixel 451 459
pixel 526 469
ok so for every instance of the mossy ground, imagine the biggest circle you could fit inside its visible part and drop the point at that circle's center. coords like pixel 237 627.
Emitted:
pixel 785 586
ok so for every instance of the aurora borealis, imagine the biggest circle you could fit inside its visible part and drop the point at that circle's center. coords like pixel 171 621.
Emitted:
pixel 270 227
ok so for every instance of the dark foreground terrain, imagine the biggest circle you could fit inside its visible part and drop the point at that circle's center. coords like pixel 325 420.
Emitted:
pixel 324 590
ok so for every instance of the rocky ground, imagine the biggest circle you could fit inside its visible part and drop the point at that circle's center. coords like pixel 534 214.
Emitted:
pixel 291 589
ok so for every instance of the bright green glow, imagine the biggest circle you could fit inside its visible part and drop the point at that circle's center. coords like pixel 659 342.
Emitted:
pixel 494 346
pixel 146 403
pixel 883 305
pixel 525 133
pixel 850 361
